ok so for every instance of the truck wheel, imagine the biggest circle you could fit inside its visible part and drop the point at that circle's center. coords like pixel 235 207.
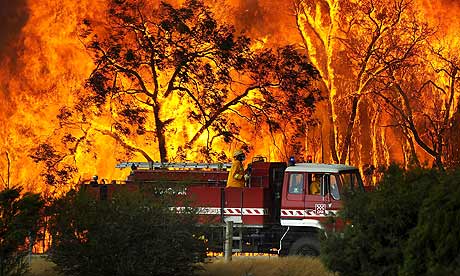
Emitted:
pixel 306 246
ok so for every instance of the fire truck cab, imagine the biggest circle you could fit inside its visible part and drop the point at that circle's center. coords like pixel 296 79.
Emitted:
pixel 312 192
pixel 280 209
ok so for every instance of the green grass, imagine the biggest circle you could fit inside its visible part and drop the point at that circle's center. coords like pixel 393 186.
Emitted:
pixel 239 266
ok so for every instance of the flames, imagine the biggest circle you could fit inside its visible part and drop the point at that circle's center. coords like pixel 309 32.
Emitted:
pixel 380 63
pixel 45 64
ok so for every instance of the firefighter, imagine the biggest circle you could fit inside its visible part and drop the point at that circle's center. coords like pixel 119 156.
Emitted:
pixel 237 176
pixel 93 181
pixel 314 185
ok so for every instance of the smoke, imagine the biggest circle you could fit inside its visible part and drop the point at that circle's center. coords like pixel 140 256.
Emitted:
pixel 13 16
pixel 265 19
pixel 448 3
pixel 443 13
pixel 250 14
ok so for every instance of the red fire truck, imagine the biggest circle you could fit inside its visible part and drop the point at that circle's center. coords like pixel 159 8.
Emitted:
pixel 278 211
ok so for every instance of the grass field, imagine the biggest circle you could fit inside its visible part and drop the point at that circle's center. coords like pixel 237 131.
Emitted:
pixel 239 266
pixel 41 267
pixel 264 266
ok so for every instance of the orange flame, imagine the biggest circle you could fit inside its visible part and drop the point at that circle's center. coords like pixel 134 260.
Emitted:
pixel 44 64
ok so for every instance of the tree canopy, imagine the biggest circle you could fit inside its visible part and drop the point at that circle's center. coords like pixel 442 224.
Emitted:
pixel 169 80
pixel 19 217
pixel 433 245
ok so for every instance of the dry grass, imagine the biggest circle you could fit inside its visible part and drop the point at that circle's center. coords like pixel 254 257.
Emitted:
pixel 41 267
pixel 264 266
pixel 239 266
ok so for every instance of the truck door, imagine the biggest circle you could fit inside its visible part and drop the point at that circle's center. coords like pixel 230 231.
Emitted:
pixel 315 204
pixel 332 196
pixel 295 192
pixel 323 196
pixel 277 175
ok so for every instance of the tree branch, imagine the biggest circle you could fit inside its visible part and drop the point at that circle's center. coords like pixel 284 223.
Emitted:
pixel 125 144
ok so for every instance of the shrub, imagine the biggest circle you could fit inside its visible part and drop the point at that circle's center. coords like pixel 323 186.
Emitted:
pixel 19 215
pixel 378 224
pixel 132 233
pixel 434 245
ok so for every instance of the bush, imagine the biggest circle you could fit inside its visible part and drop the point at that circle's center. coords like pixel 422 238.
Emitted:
pixel 434 245
pixel 132 233
pixel 19 217
pixel 378 224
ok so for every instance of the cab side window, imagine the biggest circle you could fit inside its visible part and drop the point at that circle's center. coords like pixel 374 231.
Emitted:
pixel 314 184
pixel 296 183
pixel 334 187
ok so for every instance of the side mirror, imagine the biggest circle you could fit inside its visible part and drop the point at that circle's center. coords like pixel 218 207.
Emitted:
pixel 325 184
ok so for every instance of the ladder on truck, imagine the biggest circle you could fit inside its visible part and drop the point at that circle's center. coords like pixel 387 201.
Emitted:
pixel 173 165
pixel 234 234
pixel 237 239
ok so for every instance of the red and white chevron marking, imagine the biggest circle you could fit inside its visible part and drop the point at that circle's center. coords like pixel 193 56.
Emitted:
pixel 306 213
pixel 233 211
pixel 246 211
pixel 292 213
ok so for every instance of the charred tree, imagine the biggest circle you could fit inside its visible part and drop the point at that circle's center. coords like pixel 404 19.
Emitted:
pixel 422 97
pixel 163 70
pixel 347 46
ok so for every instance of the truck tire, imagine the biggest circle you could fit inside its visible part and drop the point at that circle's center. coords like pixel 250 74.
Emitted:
pixel 306 246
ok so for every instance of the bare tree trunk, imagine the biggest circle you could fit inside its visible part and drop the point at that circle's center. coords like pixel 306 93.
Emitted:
pixel 332 133
pixel 6 182
pixel 351 122
pixel 413 158
pixel 160 133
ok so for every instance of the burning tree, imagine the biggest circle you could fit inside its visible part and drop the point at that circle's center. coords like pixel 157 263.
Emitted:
pixel 361 49
pixel 424 100
pixel 174 76
pixel 347 42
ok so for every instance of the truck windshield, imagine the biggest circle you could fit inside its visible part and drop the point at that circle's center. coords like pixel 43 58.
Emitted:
pixel 351 180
